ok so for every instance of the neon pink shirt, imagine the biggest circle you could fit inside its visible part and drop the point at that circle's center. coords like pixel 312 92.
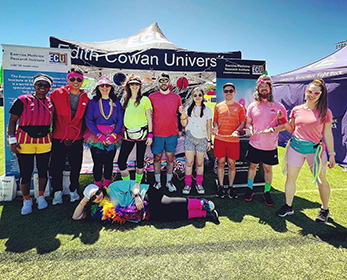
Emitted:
pixel 165 109
pixel 308 124
pixel 264 115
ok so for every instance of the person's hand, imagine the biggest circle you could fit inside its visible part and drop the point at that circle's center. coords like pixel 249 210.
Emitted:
pixel 215 130
pixel 332 162
pixel 267 130
pixel 138 202
pixel 209 146
pixel 248 131
pixel 102 138
pixel 235 134
pixel 15 147
pixel 181 109
pixel 112 138
pixel 149 141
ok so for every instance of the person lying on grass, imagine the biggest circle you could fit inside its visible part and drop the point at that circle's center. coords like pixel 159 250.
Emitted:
pixel 128 201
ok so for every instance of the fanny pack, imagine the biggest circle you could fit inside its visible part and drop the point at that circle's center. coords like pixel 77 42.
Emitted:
pixel 136 133
pixel 36 131
pixel 303 146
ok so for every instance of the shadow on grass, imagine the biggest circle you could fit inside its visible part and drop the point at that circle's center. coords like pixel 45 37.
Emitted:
pixel 332 232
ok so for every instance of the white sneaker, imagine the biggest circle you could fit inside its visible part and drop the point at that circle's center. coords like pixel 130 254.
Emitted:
pixel 186 189
pixel 27 207
pixel 171 186
pixel 74 196
pixel 157 185
pixel 200 189
pixel 41 202
pixel 58 198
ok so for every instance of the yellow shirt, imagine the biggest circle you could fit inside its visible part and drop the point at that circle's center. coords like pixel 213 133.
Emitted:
pixel 135 117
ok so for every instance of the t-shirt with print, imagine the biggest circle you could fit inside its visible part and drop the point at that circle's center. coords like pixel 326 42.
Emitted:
pixel 165 109
pixel 263 116
pixel 197 125
pixel 228 118
pixel 308 124
pixel 135 116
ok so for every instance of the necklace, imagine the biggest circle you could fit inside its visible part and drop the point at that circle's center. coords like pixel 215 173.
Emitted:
pixel 196 115
pixel 102 109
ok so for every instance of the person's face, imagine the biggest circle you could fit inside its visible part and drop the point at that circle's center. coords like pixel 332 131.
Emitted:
pixel 198 96
pixel 229 93
pixel 313 93
pixel 97 196
pixel 164 84
pixel 42 87
pixel 105 89
pixel 264 90
pixel 134 87
pixel 75 82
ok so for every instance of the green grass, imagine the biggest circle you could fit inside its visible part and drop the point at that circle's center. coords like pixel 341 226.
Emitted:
pixel 250 242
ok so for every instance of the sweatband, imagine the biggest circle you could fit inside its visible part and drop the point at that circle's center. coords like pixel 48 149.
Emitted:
pixel 73 74
pixel 42 78
pixel 150 135
pixel 282 121
pixel 12 140
pixel 263 81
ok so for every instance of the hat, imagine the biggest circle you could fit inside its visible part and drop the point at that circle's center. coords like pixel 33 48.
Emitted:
pixel 103 80
pixel 134 80
pixel 89 190
pixel 164 75
pixel 229 84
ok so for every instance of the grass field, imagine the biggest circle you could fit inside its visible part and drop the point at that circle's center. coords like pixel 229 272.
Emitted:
pixel 249 243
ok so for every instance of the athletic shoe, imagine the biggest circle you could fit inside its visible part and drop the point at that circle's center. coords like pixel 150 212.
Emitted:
pixel 74 196
pixel 220 192
pixel 248 196
pixel 41 202
pixel 171 186
pixel 268 199
pixel 285 210
pixel 58 198
pixel 200 189
pixel 231 193
pixel 27 207
pixel 213 216
pixel 186 189
pixel 157 185
pixel 323 216
pixel 207 205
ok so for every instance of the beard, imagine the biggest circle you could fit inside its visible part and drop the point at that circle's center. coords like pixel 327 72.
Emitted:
pixel 264 94
pixel 164 87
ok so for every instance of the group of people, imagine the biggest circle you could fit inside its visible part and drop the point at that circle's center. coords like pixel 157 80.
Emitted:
pixel 55 128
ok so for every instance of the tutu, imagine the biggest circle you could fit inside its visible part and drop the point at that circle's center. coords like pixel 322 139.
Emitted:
pixel 91 140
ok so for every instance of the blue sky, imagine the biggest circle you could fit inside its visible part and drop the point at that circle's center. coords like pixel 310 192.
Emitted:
pixel 287 34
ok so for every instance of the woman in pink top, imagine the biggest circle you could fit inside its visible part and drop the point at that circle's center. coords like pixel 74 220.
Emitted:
pixel 309 123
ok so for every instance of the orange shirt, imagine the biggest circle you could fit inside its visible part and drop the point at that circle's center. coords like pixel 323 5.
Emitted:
pixel 228 118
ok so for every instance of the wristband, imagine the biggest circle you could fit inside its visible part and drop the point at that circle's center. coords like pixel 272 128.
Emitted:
pixel 282 121
pixel 182 119
pixel 136 194
pixel 112 137
pixel 150 135
pixel 12 140
pixel 332 154
pixel 102 137
pixel 209 141
pixel 83 203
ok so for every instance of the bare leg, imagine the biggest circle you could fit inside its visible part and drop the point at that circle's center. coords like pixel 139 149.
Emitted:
pixel 220 169
pixel 292 176
pixel 232 171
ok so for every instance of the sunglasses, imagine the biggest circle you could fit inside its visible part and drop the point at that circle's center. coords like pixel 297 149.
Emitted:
pixel 134 84
pixel 230 90
pixel 163 81
pixel 72 79
pixel 105 85
pixel 315 93
pixel 45 85
pixel 93 197
pixel 197 95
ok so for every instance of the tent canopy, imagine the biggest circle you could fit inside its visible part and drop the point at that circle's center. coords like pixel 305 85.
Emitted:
pixel 289 89
pixel 147 49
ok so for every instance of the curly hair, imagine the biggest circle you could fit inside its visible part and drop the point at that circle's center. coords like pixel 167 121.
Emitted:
pixel 128 93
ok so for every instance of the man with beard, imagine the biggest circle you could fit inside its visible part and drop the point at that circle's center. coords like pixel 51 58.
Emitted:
pixel 166 105
pixel 263 125
pixel 228 121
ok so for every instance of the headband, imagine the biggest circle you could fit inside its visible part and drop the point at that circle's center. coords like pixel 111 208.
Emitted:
pixel 74 74
pixel 263 81
pixel 42 78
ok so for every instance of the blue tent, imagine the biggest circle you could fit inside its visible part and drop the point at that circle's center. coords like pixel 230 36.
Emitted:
pixel 289 89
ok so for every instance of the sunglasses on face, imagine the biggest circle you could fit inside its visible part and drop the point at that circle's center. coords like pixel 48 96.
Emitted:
pixel 230 90
pixel 197 95
pixel 315 93
pixel 72 79
pixel 105 85
pixel 44 85
pixel 133 84
pixel 163 81
pixel 93 197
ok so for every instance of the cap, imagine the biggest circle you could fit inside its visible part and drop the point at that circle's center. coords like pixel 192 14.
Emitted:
pixel 229 84
pixel 134 80
pixel 89 190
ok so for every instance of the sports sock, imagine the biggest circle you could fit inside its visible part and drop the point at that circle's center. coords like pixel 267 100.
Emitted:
pixel 267 187
pixel 188 180
pixel 250 183
pixel 41 193
pixel 196 214
pixel 126 178
pixel 26 197
pixel 169 177
pixel 138 177
pixel 157 177
pixel 199 179
pixel 194 204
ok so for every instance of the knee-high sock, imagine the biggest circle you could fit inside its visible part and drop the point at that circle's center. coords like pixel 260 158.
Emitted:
pixel 196 214
pixel 126 178
pixel 107 182
pixel 188 180
pixel 98 183
pixel 267 187
pixel 138 177
pixel 250 183
pixel 199 179
pixel 194 204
